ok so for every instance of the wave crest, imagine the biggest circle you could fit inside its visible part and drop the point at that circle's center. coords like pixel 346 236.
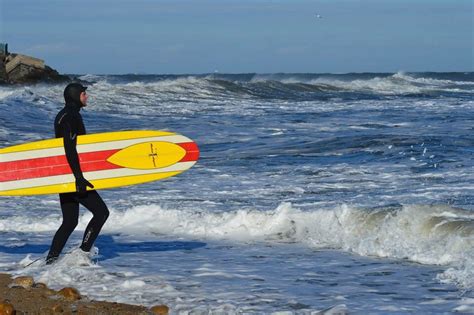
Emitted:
pixel 436 235
pixel 285 86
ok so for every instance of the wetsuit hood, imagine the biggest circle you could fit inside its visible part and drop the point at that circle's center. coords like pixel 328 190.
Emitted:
pixel 72 95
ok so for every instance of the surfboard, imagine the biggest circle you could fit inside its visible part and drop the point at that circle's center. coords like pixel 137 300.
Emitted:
pixel 108 160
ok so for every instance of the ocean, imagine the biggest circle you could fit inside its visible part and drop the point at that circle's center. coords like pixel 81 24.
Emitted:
pixel 339 193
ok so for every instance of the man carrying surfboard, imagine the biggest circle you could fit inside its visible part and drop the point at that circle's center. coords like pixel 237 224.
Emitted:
pixel 68 125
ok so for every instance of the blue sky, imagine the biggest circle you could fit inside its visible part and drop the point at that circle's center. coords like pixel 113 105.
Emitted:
pixel 202 36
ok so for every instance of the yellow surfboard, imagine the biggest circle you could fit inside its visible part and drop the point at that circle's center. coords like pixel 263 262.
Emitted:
pixel 108 160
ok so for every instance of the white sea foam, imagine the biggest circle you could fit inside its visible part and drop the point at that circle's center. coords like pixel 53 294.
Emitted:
pixel 78 269
pixel 33 224
pixel 178 96
pixel 438 235
pixel 381 85
pixel 430 81
pixel 399 83
pixel 133 284
pixel 4 93
pixel 91 77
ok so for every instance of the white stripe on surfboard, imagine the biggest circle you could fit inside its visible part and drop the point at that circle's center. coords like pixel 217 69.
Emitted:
pixel 91 147
pixel 105 174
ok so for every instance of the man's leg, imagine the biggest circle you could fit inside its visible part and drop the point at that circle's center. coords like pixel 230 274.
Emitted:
pixel 70 210
pixel 94 203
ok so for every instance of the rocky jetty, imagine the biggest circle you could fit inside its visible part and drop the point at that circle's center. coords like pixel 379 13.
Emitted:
pixel 20 69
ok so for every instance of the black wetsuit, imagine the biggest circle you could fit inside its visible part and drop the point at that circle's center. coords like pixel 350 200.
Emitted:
pixel 68 125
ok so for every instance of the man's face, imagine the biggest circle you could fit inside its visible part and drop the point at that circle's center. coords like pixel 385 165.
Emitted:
pixel 83 97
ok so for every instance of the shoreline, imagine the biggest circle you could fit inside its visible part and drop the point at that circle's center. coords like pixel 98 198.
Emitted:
pixel 23 295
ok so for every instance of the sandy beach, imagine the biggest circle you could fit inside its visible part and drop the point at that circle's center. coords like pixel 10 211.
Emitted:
pixel 23 296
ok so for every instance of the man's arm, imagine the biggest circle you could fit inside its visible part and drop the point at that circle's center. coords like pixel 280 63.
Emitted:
pixel 70 143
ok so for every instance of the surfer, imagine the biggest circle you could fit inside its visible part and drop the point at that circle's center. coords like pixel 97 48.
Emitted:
pixel 68 125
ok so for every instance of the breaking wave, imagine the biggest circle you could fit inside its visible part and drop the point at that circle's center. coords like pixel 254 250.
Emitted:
pixel 286 86
pixel 435 235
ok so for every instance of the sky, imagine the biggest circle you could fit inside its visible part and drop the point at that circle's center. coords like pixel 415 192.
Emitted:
pixel 205 36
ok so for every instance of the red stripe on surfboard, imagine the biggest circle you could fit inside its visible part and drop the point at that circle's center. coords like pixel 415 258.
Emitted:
pixel 58 165
pixel 53 160
pixel 55 165
pixel 192 151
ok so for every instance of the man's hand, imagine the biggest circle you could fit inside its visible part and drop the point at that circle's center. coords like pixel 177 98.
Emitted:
pixel 82 184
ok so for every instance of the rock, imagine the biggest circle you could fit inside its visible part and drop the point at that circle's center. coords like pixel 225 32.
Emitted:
pixel 160 310
pixel 57 308
pixel 87 309
pixel 49 292
pixel 40 285
pixel 70 294
pixel 24 282
pixel 25 74
pixel 46 311
pixel 7 309
pixel 3 71
pixel 19 69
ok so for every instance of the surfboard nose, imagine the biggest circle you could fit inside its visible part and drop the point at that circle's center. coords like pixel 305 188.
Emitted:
pixel 148 155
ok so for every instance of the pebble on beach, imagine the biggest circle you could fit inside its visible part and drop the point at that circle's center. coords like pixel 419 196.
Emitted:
pixel 160 310
pixel 22 295
pixel 24 282
pixel 6 309
pixel 70 294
